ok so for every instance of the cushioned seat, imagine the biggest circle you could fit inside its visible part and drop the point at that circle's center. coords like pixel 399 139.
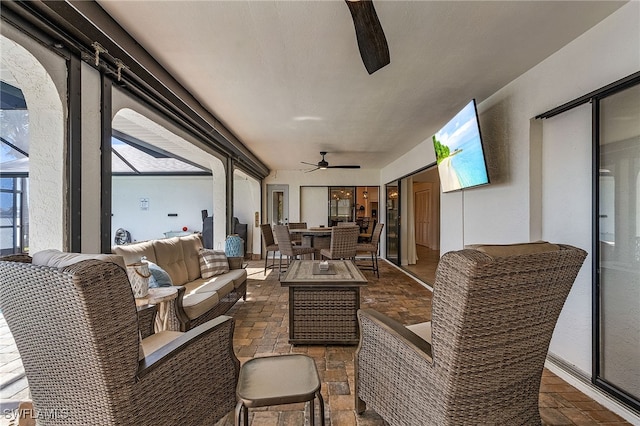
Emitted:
pixel 423 330
pixel 154 342
pixel 220 285
pixel 239 276
pixel 196 304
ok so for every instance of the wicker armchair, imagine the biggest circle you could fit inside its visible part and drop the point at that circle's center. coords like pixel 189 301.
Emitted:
pixel 77 331
pixel 481 358
pixel 269 245
pixel 343 243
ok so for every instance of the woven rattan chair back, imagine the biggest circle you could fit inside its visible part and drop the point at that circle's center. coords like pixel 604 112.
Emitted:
pixel 286 246
pixel 44 306
pixel 372 248
pixel 77 332
pixel 283 236
pixel 344 240
pixel 297 238
pixel 375 237
pixel 269 245
pixel 347 224
pixel 267 234
pixel 492 321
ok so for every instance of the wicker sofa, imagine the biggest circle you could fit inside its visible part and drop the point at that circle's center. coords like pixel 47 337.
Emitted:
pixel 199 299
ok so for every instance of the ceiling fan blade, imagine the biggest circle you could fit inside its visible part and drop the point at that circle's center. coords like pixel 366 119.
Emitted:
pixel 371 40
pixel 343 167
pixel 310 164
pixel 312 170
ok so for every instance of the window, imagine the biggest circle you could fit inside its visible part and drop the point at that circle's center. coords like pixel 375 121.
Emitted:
pixel 14 171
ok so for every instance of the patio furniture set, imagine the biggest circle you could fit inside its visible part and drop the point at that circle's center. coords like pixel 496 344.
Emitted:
pixel 338 242
pixel 86 347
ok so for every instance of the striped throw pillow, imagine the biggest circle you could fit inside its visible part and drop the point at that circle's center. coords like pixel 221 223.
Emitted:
pixel 212 263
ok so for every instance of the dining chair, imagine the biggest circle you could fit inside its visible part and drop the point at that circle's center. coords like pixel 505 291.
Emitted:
pixel 364 224
pixel 365 236
pixel 480 358
pixel 343 243
pixel 296 238
pixel 347 224
pixel 269 244
pixel 372 248
pixel 287 248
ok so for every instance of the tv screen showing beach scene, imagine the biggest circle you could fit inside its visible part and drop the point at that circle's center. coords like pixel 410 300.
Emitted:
pixel 459 152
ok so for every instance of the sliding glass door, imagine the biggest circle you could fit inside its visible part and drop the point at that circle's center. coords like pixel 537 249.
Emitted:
pixel 393 221
pixel 617 346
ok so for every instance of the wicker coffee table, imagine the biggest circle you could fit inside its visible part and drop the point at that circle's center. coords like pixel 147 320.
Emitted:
pixel 323 306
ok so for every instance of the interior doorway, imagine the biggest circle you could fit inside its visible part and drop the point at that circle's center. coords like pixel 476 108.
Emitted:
pixel 421 247
pixel 278 204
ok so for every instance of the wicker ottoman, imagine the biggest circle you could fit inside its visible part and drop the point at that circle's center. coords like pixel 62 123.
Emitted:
pixel 275 380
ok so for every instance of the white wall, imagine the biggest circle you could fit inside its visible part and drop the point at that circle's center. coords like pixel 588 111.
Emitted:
pixel 505 210
pixel 186 196
pixel 313 205
pixel 566 217
pixel 330 177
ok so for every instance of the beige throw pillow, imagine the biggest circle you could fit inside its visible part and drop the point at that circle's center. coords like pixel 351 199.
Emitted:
pixel 212 263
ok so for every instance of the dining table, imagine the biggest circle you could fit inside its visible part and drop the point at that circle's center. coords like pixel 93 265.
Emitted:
pixel 316 237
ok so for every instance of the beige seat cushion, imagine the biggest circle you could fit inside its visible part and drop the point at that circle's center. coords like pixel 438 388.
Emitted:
pixel 238 276
pixel 196 304
pixel 220 284
pixel 154 342
pixel 134 252
pixel 58 259
pixel 422 329
pixel 503 250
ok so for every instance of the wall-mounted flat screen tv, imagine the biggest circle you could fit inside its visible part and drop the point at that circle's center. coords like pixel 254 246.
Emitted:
pixel 459 153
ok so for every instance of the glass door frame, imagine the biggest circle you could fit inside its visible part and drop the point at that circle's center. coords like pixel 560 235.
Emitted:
pixel 391 223
pixel 597 379
pixel 594 98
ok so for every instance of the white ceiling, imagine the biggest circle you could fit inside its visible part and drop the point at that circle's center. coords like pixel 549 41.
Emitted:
pixel 287 79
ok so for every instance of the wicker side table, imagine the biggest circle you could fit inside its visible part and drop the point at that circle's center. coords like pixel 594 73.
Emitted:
pixel 160 296
pixel 275 380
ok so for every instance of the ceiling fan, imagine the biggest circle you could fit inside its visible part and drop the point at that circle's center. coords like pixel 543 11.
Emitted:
pixel 324 164
pixel 371 40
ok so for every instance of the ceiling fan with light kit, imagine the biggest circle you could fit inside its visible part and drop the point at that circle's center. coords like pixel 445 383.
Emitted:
pixel 324 164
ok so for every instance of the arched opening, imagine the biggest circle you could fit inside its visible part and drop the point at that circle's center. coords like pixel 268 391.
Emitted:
pixel 162 184
pixel 34 190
